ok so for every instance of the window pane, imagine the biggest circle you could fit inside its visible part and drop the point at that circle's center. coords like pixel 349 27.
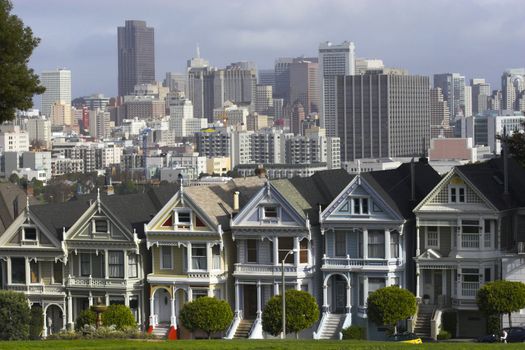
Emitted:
pixel 116 264
pixel 364 207
pixel 33 269
pixel 394 245
pixel 57 272
pixel 285 245
pixel 270 212
pixel 357 206
pixel 251 248
pixel 30 233
pixel 376 244
pixel 18 270
pixel 340 243
pixel 198 257
pixel 461 195
pixel 184 217
pixel 303 246
pixel 85 264
pixel 453 195
pixel 101 226
pixel 166 257
pixel 432 236
pixel 132 266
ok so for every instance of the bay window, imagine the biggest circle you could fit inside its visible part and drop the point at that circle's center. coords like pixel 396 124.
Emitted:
pixel 198 257
pixel 132 266
pixel 251 251
pixel 470 234
pixel 285 245
pixel 376 244
pixel 394 244
pixel 116 264
pixel 165 258
pixel 18 270
pixel 340 243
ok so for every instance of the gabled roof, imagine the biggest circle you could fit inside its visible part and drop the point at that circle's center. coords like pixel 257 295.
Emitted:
pixel 132 210
pixel 395 185
pixel 11 195
pixel 488 178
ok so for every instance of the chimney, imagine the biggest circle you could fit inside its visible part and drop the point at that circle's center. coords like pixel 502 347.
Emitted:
pixel 412 180
pixel 236 201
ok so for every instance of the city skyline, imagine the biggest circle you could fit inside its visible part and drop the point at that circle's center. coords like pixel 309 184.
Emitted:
pixel 230 31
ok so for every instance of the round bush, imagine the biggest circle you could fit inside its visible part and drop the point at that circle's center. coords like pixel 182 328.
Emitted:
pixel 354 333
pixel 119 316
pixel 444 335
pixel 389 305
pixel 14 316
pixel 86 317
pixel 36 324
pixel 210 315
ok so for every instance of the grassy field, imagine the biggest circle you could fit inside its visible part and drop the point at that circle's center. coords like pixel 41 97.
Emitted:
pixel 242 344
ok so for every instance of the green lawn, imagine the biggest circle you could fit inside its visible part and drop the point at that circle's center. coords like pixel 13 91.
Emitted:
pixel 241 344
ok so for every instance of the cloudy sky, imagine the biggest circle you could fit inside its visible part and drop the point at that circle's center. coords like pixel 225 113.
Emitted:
pixel 478 38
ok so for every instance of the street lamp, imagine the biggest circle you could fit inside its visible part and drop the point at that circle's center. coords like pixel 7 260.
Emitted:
pixel 283 334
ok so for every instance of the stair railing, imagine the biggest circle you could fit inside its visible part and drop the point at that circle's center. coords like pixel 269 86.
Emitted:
pixel 435 323
pixel 317 335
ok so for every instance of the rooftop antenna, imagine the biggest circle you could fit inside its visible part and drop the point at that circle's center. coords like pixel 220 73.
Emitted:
pixel 198 51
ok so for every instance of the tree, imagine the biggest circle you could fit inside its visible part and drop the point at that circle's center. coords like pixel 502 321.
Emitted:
pixel 301 312
pixel 86 317
pixel 14 178
pixel 118 315
pixel 516 144
pixel 501 297
pixel 36 324
pixel 18 83
pixel 14 316
pixel 389 305
pixel 210 315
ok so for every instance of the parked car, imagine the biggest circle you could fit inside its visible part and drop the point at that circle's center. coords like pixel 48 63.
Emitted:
pixel 514 335
pixel 408 338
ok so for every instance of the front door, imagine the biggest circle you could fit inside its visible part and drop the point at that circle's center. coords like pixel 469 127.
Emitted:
pixel 339 296
pixel 438 285
pixel 250 301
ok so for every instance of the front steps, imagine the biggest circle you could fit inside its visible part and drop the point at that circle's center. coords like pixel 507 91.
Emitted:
pixel 161 331
pixel 243 330
pixel 332 326
pixel 424 317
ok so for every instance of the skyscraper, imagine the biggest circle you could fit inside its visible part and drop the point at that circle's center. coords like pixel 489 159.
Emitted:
pixel 304 87
pixel 136 56
pixel 439 114
pixel 512 88
pixel 382 115
pixel 453 87
pixel 58 88
pixel 334 61
pixel 480 95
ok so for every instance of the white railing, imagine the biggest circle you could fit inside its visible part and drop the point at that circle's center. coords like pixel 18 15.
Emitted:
pixel 358 262
pixel 259 268
pixel 435 324
pixel 317 335
pixel 470 240
pixel 469 289
pixel 37 288
pixel 95 282
pixel 230 333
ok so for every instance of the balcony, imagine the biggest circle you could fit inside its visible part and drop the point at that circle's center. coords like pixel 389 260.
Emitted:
pixel 90 282
pixel 358 263
pixel 37 289
pixel 470 240
pixel 260 269
pixel 469 289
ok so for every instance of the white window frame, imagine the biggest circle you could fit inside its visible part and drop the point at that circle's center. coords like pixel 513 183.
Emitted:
pixel 24 239
pixel 162 267
pixel 457 189
pixel 94 221
pixel 136 258
pixel 490 233
pixel 360 199
pixel 438 231
pixel 207 252
pixel 271 218
pixel 179 224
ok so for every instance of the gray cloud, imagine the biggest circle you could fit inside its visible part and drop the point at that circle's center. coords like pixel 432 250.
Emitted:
pixel 476 38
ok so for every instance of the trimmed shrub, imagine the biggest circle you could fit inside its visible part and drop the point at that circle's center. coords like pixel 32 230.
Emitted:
pixel 301 312
pixel 389 305
pixel 449 321
pixel 443 335
pixel 354 332
pixel 119 316
pixel 501 297
pixel 86 317
pixel 36 325
pixel 493 324
pixel 210 315
pixel 15 316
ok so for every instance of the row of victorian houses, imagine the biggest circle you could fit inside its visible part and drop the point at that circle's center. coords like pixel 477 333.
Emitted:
pixel 341 237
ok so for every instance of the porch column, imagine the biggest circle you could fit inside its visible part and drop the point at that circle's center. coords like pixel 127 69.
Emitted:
pixel 210 290
pixel 126 299
pixel 70 311
pixel 276 288
pixel 28 274
pixel 418 241
pixel 173 318
pixel 190 294
pixel 348 296
pixel 9 270
pixel 44 331
pixel 418 282
pixel 459 289
pixel 296 251
pixel 125 264
pixel 444 283
pixel 259 300
pixel 387 244
pixel 152 310
pixel 90 299
pixel 106 264
pixel 188 257
pixel 388 280
pixel 107 299
pixel 237 297
pixel 64 316
pixel 365 289
pixel 209 261
pixel 325 297
pixel 365 243
pixel 276 251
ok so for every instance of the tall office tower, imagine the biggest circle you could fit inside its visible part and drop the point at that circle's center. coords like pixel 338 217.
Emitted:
pixel 480 95
pixel 512 86
pixel 439 114
pixel 39 132
pixel 99 124
pixel 304 87
pixel 278 107
pixel 61 114
pixel 468 101
pixel 176 82
pixel 334 61
pixel 200 87
pixel 494 101
pixel 266 77
pixel 263 99
pixel 453 87
pixel 297 118
pixel 239 84
pixel 58 88
pixel 96 101
pixel 282 78
pixel 363 65
pixel 136 56
pixel 382 115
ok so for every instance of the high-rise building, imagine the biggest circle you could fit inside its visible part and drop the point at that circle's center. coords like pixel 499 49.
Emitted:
pixel 176 82
pixel 494 101
pixel 39 132
pixel 304 85
pixel 266 77
pixel 58 88
pixel 136 56
pixel 239 81
pixel 382 115
pixel 61 114
pixel 334 61
pixel 263 98
pixel 99 124
pixel 453 87
pixel 480 95
pixel 363 65
pixel 439 114
pixel 468 101
pixel 512 88
pixel 297 117
pixel 96 101
pixel 282 78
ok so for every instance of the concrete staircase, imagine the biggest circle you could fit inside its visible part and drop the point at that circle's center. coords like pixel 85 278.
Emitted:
pixel 424 316
pixel 332 326
pixel 243 330
pixel 161 331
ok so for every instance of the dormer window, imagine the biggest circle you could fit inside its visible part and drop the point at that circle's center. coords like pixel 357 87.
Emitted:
pixel 360 206
pixel 29 233
pixel 101 226
pixel 183 219
pixel 456 194
pixel 270 212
